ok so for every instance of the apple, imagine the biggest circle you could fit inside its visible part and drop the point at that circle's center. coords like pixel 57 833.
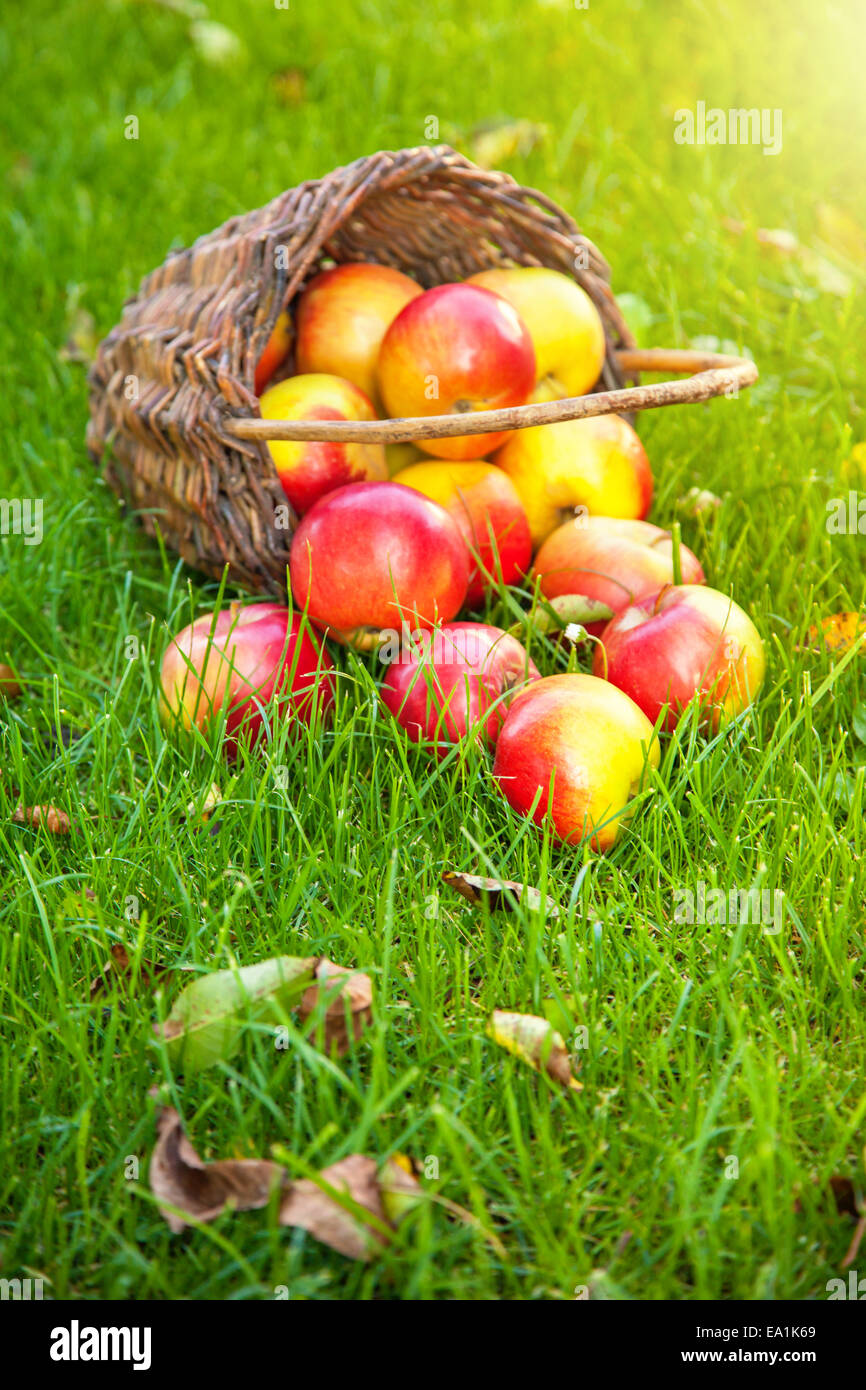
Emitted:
pixel 687 642
pixel 456 348
pixel 368 559
pixel 599 464
pixel 490 515
pixel 275 353
pixel 399 456
pixel 582 747
pixel 310 468
pixel 258 662
pixel 610 559
pixel 342 317
pixel 454 682
pixel 564 324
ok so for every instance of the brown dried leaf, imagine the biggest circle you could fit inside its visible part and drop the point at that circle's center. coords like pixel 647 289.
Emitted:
pixel 536 1041
pixel 350 996
pixel 55 821
pixel 848 1202
pixel 9 687
pixel 837 633
pixel 119 968
pixel 845 1196
pixel 500 894
pixel 308 1206
pixel 202 1191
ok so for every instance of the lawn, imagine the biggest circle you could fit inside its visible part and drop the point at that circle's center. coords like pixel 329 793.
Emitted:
pixel 723 1076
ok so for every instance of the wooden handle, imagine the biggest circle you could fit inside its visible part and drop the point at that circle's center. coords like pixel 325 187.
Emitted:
pixel 711 374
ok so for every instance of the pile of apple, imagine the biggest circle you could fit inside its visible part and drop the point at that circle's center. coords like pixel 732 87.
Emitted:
pixel 395 542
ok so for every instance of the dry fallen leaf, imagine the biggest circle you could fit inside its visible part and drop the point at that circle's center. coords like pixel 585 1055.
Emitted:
pixel 202 1191
pixel 536 1041
pixel 119 968
pixel 837 633
pixel 9 687
pixel 347 992
pixel 500 894
pixel 850 1203
pixel 55 821
pixel 307 1205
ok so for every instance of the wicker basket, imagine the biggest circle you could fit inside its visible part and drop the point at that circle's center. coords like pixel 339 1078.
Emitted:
pixel 174 419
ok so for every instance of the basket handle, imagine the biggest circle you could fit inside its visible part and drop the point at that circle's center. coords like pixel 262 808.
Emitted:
pixel 711 374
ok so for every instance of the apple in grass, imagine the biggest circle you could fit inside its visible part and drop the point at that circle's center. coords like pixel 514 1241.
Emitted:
pixel 455 682
pixel 259 664
pixel 370 559
pixel 611 560
pixel 577 749
pixel 457 348
pixel 686 643
pixel 564 325
pixel 598 464
pixel 489 513
pixel 310 468
pixel 342 317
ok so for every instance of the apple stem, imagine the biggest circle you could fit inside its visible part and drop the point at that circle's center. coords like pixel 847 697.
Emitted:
pixel 599 643
pixel 675 553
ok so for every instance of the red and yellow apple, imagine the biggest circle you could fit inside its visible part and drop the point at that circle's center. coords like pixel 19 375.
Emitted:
pixel 599 464
pixel 370 558
pixel 399 456
pixel 457 348
pixel 577 749
pixel 685 643
pixel 275 353
pixel 485 506
pixel 455 682
pixel 342 317
pixel 258 664
pixel 564 325
pixel 308 469
pixel 611 560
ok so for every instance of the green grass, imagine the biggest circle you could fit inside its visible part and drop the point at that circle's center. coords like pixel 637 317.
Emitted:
pixel 705 1043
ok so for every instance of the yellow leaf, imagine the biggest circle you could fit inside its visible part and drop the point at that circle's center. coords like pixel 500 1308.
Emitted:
pixel 536 1041
pixel 838 633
